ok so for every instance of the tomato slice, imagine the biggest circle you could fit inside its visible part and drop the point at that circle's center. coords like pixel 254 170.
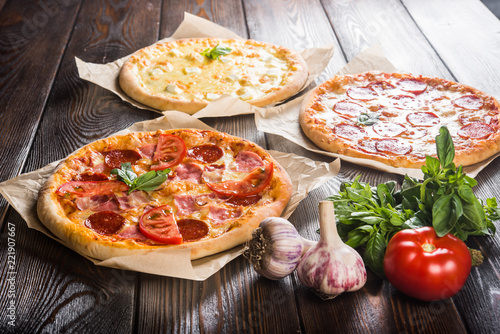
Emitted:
pixel 89 188
pixel 252 184
pixel 169 152
pixel 158 224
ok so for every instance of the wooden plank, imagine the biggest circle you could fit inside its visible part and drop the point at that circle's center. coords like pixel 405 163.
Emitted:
pixel 71 294
pixel 26 80
pixel 470 57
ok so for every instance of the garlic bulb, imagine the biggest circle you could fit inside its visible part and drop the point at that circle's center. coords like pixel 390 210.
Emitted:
pixel 331 267
pixel 276 248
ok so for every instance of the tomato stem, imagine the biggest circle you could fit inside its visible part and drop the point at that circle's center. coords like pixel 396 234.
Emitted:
pixel 428 247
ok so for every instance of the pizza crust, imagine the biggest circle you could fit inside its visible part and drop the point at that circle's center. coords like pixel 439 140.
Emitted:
pixel 89 243
pixel 134 86
pixel 467 151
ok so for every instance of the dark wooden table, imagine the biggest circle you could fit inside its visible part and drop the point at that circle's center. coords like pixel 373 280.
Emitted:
pixel 46 112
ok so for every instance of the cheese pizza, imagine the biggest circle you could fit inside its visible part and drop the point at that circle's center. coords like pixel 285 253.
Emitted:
pixel 187 74
pixel 184 188
pixel 394 118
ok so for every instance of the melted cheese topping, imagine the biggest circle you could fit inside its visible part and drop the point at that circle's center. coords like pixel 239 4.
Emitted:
pixel 178 70
pixel 413 118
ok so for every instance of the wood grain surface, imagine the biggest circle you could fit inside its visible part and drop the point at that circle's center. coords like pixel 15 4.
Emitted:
pixel 47 111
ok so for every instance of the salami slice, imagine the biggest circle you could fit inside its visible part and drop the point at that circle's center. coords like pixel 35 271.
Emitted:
pixel 381 86
pixel 393 146
pixel 105 222
pixel 423 119
pixel 362 93
pixel 205 153
pixel 192 229
pixel 475 130
pixel 388 129
pixel 349 131
pixel 349 109
pixel 414 86
pixel 115 158
pixel 470 102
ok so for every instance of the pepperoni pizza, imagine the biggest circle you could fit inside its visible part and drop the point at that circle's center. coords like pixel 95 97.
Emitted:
pixel 394 118
pixel 184 188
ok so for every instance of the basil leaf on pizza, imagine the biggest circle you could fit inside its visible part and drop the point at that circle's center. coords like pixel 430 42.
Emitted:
pixel 398 119
pixel 183 75
pixel 216 52
pixel 148 181
pixel 215 191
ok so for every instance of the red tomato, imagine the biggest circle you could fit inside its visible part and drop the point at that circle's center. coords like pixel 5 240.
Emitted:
pixel 169 152
pixel 427 267
pixel 252 184
pixel 89 188
pixel 158 224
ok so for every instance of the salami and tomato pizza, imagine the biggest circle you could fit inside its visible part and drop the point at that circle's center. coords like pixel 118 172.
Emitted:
pixel 187 74
pixel 183 188
pixel 394 118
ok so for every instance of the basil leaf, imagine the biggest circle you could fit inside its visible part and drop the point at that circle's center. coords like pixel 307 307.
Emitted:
pixel 431 166
pixel 125 174
pixel 216 52
pixel 369 118
pixel 374 254
pixel 150 181
pixel 445 147
pixel 474 216
pixel 445 213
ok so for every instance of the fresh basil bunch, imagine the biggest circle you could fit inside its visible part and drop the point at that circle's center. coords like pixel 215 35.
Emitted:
pixel 369 216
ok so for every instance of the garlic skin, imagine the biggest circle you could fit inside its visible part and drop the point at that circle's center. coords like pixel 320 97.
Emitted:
pixel 331 267
pixel 276 248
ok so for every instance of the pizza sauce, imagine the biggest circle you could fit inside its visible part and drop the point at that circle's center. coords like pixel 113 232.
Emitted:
pixel 213 181
pixel 394 118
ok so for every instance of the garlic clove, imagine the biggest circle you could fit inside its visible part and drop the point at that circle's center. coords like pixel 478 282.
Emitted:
pixel 331 267
pixel 275 248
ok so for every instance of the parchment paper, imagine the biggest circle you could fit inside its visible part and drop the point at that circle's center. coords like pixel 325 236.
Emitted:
pixel 106 75
pixel 22 193
pixel 283 120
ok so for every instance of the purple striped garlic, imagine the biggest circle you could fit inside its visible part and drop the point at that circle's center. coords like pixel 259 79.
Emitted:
pixel 276 248
pixel 331 267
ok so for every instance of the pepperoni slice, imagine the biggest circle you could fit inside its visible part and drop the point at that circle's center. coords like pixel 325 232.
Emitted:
pixel 349 109
pixel 369 146
pixel 405 102
pixel 243 201
pixel 414 86
pixel 170 151
pixel 206 153
pixel 192 229
pixel 470 102
pixel 90 177
pixel 349 131
pixel 89 188
pixel 105 222
pixel 466 118
pixel 380 86
pixel 475 130
pixel 158 224
pixel 393 146
pixel 422 118
pixel 388 129
pixel 362 93
pixel 252 184
pixel 115 158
